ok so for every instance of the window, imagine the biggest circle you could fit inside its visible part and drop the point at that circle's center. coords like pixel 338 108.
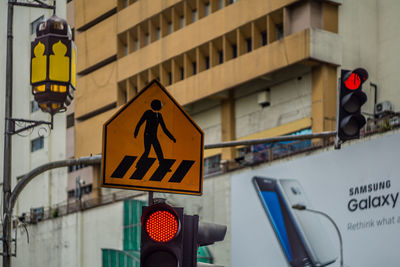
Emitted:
pixel 158 34
pixel 35 23
pixel 37 144
pixel 76 167
pixel 212 164
pixel 220 4
pixel 207 61
pixel 182 73
pixel 87 189
pixel 169 78
pixel 248 43
pixel 264 38
pixel 221 56
pixel 147 39
pixel 207 9
pixel 194 66
pixel 234 51
pixel 136 44
pixel 124 96
pixel 181 22
pixel 34 106
pixel 169 27
pixel 194 15
pixel 279 30
pixel 132 228
pixel 70 120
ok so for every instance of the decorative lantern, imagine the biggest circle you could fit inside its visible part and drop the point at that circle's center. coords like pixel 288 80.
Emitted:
pixel 53 65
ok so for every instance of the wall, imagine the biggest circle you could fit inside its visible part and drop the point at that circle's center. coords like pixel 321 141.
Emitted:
pixel 371 40
pixel 72 240
pixel 290 101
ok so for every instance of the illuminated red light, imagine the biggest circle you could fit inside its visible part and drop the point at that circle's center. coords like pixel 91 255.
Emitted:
pixel 353 82
pixel 162 226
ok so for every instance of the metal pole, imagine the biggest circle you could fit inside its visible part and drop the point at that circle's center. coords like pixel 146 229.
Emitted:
pixel 271 140
pixel 45 167
pixel 8 141
pixel 97 160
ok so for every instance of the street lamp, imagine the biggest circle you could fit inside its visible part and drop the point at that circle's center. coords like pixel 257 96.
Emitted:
pixel 53 65
pixel 53 71
pixel 303 207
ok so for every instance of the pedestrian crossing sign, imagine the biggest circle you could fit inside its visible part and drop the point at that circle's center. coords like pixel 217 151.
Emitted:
pixel 152 144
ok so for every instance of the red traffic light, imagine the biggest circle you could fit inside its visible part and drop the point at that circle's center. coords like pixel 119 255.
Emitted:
pixel 353 82
pixel 161 222
pixel 355 79
pixel 162 225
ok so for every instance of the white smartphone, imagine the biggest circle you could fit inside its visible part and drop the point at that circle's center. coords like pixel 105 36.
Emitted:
pixel 319 247
pixel 282 222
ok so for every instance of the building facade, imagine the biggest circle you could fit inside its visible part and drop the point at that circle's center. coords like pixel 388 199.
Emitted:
pixel 242 69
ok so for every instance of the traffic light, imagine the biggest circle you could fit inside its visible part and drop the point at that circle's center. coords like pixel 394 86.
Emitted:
pixel 351 98
pixel 162 236
pixel 172 239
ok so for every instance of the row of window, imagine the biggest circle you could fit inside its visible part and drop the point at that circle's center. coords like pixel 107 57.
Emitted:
pixel 167 22
pixel 76 167
pixel 240 41
pixel 87 189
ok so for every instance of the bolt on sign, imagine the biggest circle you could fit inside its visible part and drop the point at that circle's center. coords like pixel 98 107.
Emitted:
pixel 152 144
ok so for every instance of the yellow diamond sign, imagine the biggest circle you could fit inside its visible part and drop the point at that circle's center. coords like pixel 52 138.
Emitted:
pixel 152 144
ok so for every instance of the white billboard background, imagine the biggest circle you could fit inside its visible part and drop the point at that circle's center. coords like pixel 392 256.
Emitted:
pixel 371 235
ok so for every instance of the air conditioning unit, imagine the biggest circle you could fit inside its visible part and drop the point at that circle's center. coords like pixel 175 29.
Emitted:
pixel 383 107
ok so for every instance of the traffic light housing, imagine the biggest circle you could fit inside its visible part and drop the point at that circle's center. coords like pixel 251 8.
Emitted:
pixel 162 236
pixel 197 234
pixel 170 238
pixel 351 98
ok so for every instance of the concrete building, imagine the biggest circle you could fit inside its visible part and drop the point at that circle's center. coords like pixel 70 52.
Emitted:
pixel 37 146
pixel 242 69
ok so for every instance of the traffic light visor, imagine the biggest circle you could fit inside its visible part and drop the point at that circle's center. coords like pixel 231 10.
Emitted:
pixel 161 225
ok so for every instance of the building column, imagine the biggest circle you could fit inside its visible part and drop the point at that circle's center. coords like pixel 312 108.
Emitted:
pixel 323 97
pixel 228 125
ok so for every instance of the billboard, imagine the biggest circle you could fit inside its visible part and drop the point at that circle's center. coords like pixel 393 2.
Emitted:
pixel 357 186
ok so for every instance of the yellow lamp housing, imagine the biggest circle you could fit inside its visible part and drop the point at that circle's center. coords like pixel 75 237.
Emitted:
pixel 53 65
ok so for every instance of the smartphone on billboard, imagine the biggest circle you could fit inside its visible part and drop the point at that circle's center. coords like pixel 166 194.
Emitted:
pixel 318 245
pixel 299 249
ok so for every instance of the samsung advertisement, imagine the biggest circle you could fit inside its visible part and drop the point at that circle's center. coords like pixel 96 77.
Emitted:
pixel 286 213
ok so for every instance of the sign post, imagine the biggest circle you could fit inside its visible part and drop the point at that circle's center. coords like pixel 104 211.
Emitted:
pixel 151 144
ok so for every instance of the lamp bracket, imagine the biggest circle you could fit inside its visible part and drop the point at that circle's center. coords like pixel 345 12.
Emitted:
pixel 29 124
pixel 39 4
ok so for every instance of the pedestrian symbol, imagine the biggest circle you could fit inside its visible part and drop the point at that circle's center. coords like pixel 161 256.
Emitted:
pixel 153 119
pixel 152 144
